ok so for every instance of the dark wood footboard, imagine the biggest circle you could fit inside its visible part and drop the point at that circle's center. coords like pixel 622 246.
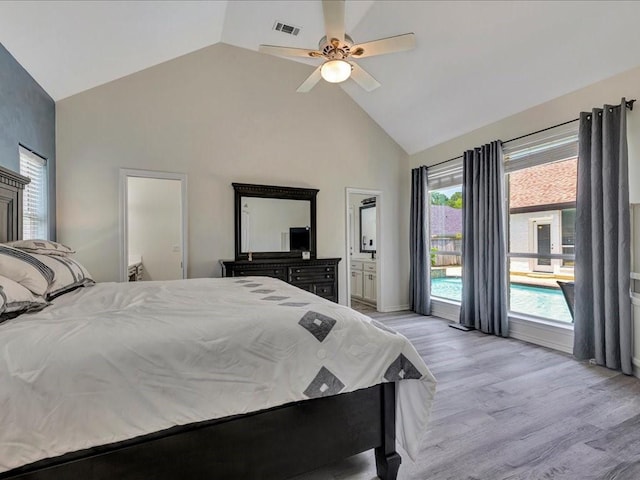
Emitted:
pixel 271 444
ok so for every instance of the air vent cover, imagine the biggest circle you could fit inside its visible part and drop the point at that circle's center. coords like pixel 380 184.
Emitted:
pixel 285 28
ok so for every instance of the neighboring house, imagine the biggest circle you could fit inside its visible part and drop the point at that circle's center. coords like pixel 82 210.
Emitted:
pixel 542 206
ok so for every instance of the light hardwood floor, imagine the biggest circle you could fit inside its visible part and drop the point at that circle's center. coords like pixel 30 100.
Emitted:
pixel 509 410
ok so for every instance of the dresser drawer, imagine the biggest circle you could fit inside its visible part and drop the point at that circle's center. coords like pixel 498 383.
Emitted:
pixel 355 265
pixel 264 272
pixel 311 274
pixel 325 290
pixel 369 267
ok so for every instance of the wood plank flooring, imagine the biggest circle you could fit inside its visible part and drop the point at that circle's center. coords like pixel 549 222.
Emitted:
pixel 509 410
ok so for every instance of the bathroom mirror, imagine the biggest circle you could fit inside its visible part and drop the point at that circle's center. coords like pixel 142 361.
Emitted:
pixel 368 228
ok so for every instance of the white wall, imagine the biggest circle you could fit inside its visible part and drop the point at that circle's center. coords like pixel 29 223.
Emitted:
pixel 155 226
pixel 221 115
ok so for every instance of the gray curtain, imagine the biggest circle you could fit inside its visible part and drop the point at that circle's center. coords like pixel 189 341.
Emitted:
pixel 484 277
pixel 420 273
pixel 602 305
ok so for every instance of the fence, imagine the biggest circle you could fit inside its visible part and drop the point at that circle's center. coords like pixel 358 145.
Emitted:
pixel 439 247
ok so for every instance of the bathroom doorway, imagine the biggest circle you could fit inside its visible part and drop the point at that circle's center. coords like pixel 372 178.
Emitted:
pixel 364 276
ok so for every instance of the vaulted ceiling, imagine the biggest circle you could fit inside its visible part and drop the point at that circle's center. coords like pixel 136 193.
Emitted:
pixel 476 62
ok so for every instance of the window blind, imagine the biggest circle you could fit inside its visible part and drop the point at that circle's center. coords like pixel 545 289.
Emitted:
pixel 448 174
pixel 34 210
pixel 556 144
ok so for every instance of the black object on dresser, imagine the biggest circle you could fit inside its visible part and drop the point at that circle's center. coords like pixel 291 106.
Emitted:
pixel 319 275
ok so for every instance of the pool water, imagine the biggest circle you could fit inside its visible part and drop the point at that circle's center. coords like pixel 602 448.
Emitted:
pixel 539 301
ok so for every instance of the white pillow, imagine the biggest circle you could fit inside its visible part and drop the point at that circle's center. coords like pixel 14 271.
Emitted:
pixel 69 274
pixel 44 247
pixel 24 268
pixel 14 298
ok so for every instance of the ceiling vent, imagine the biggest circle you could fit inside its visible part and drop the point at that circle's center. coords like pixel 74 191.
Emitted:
pixel 284 28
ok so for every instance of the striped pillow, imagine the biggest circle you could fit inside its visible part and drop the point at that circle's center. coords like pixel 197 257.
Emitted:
pixel 69 274
pixel 15 299
pixel 25 269
pixel 45 247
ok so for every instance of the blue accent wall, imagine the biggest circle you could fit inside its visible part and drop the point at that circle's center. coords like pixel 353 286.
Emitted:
pixel 27 117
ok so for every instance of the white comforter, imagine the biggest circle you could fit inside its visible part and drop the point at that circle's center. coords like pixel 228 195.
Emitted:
pixel 119 360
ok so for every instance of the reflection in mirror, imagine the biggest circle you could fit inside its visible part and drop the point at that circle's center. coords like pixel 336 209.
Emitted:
pixel 368 228
pixel 274 225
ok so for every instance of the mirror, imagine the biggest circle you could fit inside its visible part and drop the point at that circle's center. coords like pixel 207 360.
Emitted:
pixel 274 225
pixel 274 222
pixel 368 228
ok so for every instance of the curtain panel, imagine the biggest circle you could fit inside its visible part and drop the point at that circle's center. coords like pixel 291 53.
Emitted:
pixel 420 266
pixel 603 328
pixel 484 264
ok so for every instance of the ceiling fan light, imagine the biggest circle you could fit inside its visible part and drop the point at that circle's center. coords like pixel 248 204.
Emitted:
pixel 335 71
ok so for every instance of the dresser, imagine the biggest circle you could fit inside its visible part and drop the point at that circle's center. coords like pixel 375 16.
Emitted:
pixel 318 276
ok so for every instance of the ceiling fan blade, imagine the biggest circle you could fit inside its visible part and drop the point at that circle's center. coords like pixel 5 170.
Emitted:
pixel 333 19
pixel 288 51
pixel 311 81
pixel 363 79
pixel 384 45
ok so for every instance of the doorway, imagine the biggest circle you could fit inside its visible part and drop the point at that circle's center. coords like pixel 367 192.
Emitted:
pixel 363 240
pixel 153 225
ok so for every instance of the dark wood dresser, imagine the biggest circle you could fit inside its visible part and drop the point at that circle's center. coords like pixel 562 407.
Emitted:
pixel 318 275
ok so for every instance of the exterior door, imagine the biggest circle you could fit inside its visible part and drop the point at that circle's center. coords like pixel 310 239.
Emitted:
pixel 542 242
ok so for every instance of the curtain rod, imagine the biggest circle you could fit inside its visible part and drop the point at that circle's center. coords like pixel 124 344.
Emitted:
pixel 629 105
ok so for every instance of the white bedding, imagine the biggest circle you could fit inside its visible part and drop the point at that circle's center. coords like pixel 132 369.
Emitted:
pixel 119 360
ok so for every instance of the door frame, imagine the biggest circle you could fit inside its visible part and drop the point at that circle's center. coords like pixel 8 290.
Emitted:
pixel 380 306
pixel 125 174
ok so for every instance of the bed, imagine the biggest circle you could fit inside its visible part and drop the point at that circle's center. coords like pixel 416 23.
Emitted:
pixel 187 379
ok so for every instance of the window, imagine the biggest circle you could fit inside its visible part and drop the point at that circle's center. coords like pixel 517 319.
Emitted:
pixel 34 216
pixel 541 178
pixel 445 225
pixel 540 183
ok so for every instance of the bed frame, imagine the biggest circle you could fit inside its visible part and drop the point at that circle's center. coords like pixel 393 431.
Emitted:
pixel 270 444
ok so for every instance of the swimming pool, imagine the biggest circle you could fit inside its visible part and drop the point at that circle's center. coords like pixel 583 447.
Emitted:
pixel 539 301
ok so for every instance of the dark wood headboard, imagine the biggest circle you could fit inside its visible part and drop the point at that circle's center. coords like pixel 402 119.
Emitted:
pixel 11 187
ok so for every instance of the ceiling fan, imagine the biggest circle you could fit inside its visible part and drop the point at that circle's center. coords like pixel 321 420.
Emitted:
pixel 338 51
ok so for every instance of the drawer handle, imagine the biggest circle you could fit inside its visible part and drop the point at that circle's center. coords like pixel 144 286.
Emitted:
pixel 328 269
pixel 328 276
pixel 297 270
